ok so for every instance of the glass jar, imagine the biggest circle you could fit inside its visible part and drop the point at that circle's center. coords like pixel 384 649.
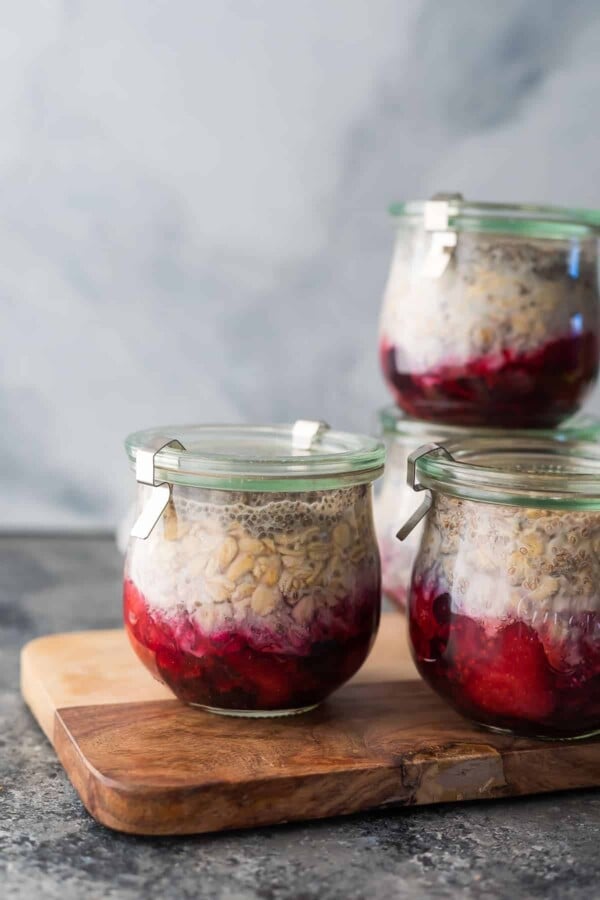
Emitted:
pixel 491 315
pixel 253 584
pixel 504 607
pixel 395 500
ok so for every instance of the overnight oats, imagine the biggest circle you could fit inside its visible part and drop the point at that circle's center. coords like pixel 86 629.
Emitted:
pixel 491 314
pixel 395 500
pixel 257 590
pixel 504 607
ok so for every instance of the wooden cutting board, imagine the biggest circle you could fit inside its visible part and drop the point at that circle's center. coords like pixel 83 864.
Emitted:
pixel 146 764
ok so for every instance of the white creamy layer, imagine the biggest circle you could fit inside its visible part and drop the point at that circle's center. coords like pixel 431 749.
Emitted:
pixel 495 295
pixel 244 562
pixel 501 560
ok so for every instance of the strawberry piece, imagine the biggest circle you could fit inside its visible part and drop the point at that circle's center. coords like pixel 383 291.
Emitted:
pixel 513 679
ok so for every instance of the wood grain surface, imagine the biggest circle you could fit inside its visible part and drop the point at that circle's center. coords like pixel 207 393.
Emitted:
pixel 146 764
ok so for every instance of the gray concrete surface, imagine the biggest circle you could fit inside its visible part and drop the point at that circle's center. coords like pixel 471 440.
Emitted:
pixel 544 847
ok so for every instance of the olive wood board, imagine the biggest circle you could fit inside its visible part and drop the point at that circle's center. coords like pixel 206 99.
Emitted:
pixel 144 763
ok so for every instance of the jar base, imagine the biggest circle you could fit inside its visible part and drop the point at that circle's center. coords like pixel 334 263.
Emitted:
pixel 539 737
pixel 255 713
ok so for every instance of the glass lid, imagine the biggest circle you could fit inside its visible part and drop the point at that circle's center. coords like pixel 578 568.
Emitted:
pixel 515 470
pixel 304 456
pixel 393 421
pixel 517 219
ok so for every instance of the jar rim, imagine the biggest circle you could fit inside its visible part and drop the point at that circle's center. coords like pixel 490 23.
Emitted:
pixel 580 427
pixel 259 457
pixel 515 471
pixel 519 219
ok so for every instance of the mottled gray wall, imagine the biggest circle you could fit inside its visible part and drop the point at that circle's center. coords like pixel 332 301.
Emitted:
pixel 193 199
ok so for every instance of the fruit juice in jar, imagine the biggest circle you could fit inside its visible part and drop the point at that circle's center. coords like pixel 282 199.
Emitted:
pixel 490 315
pixel 504 605
pixel 257 590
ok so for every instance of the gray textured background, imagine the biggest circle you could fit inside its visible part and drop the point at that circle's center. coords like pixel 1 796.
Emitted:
pixel 192 204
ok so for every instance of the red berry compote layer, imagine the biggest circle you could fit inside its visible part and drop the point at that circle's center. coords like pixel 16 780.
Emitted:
pixel 538 389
